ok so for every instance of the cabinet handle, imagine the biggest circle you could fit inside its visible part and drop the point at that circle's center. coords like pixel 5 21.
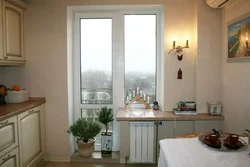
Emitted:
pixel 7 158
pixel 31 111
pixel 5 122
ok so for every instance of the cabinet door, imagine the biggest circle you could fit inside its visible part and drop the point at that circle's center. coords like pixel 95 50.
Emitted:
pixel 10 159
pixel 30 145
pixel 8 134
pixel 207 126
pixel 13 19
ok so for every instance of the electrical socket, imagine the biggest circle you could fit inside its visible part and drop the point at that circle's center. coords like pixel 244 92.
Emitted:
pixel 164 123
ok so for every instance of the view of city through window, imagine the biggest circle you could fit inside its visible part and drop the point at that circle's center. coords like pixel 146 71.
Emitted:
pixel 96 61
pixel 96 58
pixel 140 56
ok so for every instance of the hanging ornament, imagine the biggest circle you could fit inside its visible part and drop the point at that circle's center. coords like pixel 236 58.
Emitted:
pixel 180 57
pixel 179 74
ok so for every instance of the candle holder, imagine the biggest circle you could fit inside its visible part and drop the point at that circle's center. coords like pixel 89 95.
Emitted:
pixel 179 49
pixel 138 98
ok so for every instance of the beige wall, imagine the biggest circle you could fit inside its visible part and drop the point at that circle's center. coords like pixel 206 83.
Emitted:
pixel 208 61
pixel 45 73
pixel 235 78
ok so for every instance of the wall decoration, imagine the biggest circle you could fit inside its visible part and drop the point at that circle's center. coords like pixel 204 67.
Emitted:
pixel 179 50
pixel 179 74
pixel 238 35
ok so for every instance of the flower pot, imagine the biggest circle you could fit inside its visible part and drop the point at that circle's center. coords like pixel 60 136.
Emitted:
pixel 107 143
pixel 86 149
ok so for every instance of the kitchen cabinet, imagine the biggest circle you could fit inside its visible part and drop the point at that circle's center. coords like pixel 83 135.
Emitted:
pixel 10 159
pixel 207 126
pixel 13 30
pixel 1 32
pixel 12 34
pixel 31 136
pixel 8 133
pixel 22 134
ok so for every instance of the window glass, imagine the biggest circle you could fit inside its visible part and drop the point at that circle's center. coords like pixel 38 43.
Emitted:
pixel 96 61
pixel 140 56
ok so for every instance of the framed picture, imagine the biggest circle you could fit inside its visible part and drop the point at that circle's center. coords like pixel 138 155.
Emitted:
pixel 238 35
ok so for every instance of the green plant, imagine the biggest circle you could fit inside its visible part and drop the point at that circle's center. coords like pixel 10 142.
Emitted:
pixel 85 130
pixel 105 116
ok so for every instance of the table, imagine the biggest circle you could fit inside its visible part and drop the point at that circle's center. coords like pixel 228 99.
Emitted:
pixel 189 152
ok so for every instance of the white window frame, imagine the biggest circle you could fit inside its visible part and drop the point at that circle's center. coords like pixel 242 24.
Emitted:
pixel 118 57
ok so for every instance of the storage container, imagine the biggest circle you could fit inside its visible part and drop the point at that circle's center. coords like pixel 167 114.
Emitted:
pixel 17 96
pixel 214 108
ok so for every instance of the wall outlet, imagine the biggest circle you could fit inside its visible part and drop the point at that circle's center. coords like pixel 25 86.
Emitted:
pixel 164 123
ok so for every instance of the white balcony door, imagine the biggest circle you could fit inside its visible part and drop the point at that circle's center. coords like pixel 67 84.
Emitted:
pixel 99 57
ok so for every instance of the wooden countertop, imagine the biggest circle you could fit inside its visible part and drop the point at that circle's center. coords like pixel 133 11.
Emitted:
pixel 10 110
pixel 156 115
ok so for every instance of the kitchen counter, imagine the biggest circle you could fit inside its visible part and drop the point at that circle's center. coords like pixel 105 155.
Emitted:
pixel 10 110
pixel 138 114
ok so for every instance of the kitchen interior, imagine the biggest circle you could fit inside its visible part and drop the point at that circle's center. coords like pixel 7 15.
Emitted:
pixel 196 72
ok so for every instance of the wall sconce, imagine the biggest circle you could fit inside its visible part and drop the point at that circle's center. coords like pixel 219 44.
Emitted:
pixel 179 50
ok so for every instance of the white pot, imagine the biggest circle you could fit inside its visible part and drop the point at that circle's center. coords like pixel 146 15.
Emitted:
pixel 86 149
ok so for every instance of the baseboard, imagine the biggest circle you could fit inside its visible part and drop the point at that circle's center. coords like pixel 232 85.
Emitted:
pixel 38 161
pixel 57 159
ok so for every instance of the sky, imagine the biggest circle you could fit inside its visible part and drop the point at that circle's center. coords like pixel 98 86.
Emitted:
pixel 140 43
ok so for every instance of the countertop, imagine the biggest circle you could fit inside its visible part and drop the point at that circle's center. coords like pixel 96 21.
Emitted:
pixel 157 115
pixel 10 110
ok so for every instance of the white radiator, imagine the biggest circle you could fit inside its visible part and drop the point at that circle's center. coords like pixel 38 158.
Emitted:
pixel 141 142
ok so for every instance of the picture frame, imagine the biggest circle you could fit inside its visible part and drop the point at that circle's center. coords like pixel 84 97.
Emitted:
pixel 238 48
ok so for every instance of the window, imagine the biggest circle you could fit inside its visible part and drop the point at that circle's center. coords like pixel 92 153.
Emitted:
pixel 140 55
pixel 115 49
pixel 96 61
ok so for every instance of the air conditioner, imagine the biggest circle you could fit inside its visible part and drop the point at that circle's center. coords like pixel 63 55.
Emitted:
pixel 219 3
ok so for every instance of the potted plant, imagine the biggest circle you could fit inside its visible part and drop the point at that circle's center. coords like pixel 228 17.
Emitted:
pixel 85 131
pixel 105 116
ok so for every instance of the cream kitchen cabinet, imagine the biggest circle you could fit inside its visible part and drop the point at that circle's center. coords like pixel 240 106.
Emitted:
pixel 22 138
pixel 1 32
pixel 12 34
pixel 31 136
pixel 8 133
pixel 10 159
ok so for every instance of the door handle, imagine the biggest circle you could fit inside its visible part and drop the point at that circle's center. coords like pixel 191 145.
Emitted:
pixel 32 111
pixel 6 158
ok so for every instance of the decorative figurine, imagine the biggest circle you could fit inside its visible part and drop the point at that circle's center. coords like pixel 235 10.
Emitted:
pixel 179 74
pixel 156 105
pixel 180 57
